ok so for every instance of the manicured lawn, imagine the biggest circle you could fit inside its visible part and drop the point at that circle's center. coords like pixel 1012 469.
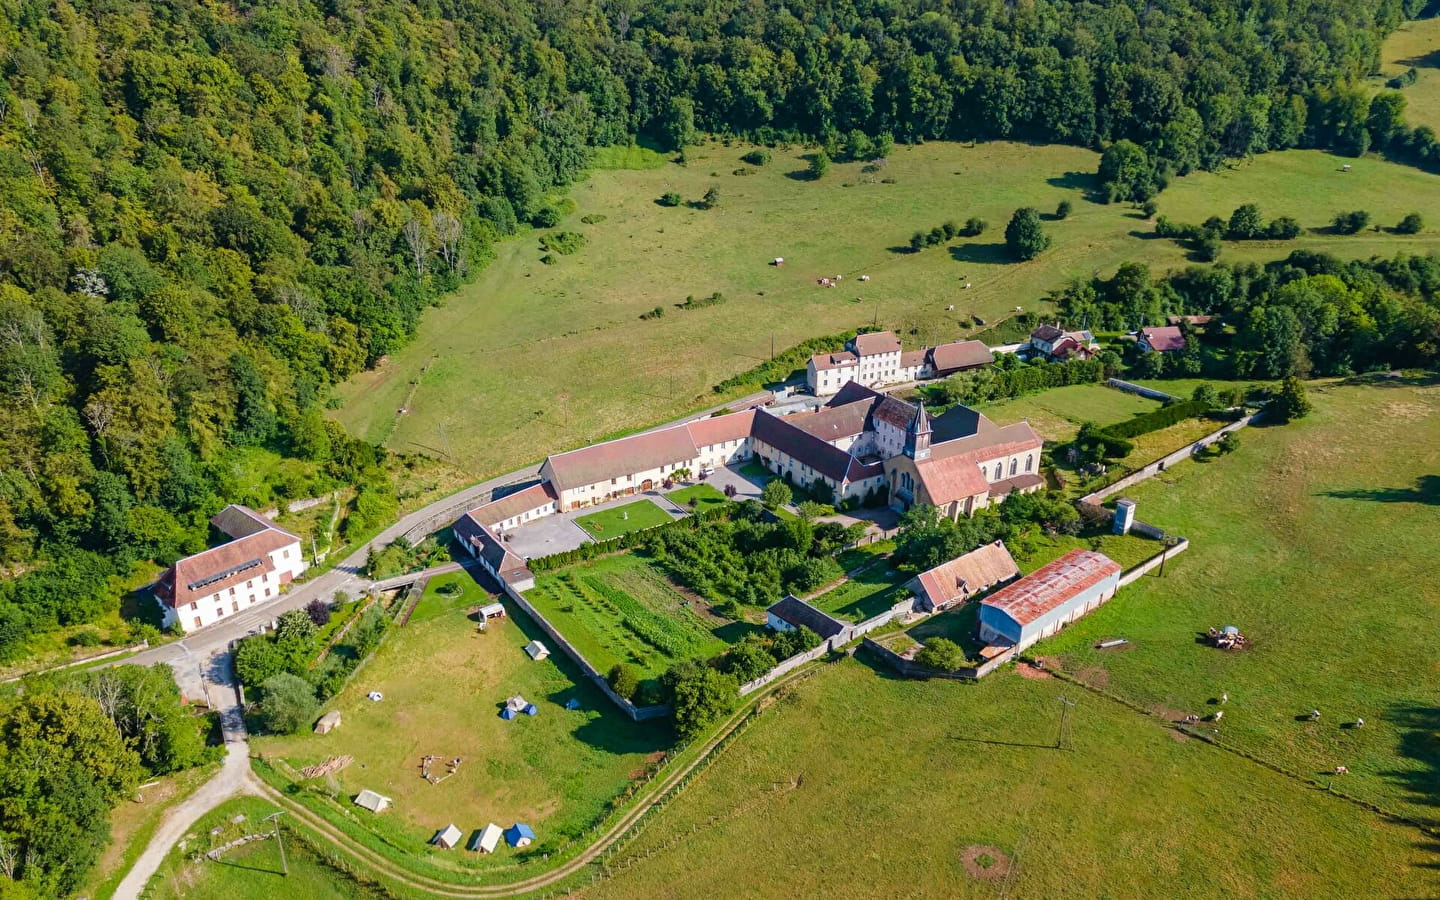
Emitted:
pixel 1125 811
pixel 756 471
pixel 621 609
pixel 449 595
pixel 1057 413
pixel 704 495
pixel 522 316
pixel 1317 539
pixel 444 683
pixel 618 520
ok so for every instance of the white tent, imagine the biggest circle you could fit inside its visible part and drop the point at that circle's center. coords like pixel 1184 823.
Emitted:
pixel 492 611
pixel 487 839
pixel 448 837
pixel 372 801
pixel 517 703
pixel 537 650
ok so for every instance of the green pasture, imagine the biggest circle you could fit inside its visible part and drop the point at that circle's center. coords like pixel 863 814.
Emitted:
pixel 862 784
pixel 593 368
pixel 444 683
pixel 1414 44
pixel 1317 540
pixel 1057 414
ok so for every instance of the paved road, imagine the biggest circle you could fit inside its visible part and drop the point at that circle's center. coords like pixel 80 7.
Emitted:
pixel 233 778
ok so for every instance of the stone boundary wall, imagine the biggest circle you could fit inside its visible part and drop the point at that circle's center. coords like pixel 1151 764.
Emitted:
pixel 1153 562
pixel 911 669
pixel 637 713
pixel 1130 387
pixel 1155 468
pixel 851 632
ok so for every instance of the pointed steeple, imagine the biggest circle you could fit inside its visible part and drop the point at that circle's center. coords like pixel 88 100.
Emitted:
pixel 917 434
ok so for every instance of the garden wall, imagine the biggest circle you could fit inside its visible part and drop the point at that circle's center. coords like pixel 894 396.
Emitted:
pixel 1155 468
pixel 851 632
pixel 1153 562
pixel 1132 388
pixel 911 669
pixel 638 713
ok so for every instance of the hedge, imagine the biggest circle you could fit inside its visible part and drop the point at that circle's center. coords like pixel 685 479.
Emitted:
pixel 1160 418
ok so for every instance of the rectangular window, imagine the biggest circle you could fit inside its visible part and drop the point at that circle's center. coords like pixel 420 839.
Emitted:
pixel 194 607
pixel 267 592
pixel 250 584
pixel 197 621
pixel 235 607
pixel 287 554
pixel 232 592
pixel 219 612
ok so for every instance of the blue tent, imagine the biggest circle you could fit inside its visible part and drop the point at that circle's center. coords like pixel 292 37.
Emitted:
pixel 519 835
pixel 507 714
pixel 531 710
pixel 572 703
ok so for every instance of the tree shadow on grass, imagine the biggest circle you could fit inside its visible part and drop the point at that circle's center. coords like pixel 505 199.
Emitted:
pixel 1087 183
pixel 992 254
pixel 1426 491
pixel 1395 379
pixel 1418 724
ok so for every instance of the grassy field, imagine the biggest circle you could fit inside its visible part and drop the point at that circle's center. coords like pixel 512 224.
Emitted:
pixel 1415 44
pixel 444 683
pixel 1058 413
pixel 593 368
pixel 868 593
pixel 899 779
pixel 252 870
pixel 705 497
pixel 621 609
pixel 1317 540
pixel 618 520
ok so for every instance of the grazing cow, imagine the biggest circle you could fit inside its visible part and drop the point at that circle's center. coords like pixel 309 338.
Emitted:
pixel 1341 770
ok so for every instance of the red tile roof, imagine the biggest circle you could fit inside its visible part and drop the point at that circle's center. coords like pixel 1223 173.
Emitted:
pixel 876 342
pixel 951 478
pixel 960 355
pixel 913 358
pixel 1052 585
pixel 965 576
pixel 826 361
pixel 230 564
pixel 1164 338
pixel 512 505
pixel 719 429
pixel 624 456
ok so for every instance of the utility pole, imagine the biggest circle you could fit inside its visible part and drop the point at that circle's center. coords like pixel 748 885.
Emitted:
pixel 772 346
pixel 1065 704
pixel 275 819
pixel 1165 554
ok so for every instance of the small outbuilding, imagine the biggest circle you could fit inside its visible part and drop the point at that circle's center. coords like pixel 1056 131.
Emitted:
pixel 376 803
pixel 957 581
pixel 492 611
pixel 328 722
pixel 792 613
pixel 486 839
pixel 519 835
pixel 537 650
pixel 448 837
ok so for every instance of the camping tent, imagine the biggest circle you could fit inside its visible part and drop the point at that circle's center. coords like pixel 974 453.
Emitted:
pixel 507 714
pixel 492 611
pixel 537 650
pixel 531 709
pixel 517 703
pixel 328 722
pixel 372 801
pixel 572 703
pixel 519 835
pixel 486 839
pixel 448 837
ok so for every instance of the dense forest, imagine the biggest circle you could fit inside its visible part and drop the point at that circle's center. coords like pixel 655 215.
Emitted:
pixel 210 213
pixel 1308 314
